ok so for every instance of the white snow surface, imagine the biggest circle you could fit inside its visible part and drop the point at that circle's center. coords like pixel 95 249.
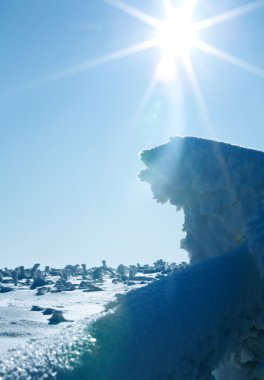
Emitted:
pixel 30 348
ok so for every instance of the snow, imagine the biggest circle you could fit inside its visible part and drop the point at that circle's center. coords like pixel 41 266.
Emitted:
pixel 33 349
pixel 18 323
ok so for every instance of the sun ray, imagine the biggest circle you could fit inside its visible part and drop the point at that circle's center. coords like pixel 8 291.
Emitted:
pixel 135 121
pixel 134 12
pixel 187 6
pixel 229 58
pixel 197 92
pixel 206 116
pixel 246 8
pixel 122 53
pixel 146 96
pixel 168 7
pixel 166 69
pixel 84 66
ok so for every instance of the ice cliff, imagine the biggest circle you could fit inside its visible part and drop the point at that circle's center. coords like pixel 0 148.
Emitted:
pixel 219 186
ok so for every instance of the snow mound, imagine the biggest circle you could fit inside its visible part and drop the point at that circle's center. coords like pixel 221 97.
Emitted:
pixel 181 327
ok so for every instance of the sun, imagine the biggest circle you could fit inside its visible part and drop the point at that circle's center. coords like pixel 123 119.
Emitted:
pixel 176 35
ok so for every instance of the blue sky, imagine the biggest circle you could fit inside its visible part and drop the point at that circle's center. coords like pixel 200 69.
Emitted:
pixel 70 141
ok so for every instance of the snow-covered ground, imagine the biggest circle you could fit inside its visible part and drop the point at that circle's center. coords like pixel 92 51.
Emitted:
pixel 180 327
pixel 30 347
pixel 18 324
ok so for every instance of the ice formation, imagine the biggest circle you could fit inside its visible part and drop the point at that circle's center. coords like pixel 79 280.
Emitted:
pixel 220 188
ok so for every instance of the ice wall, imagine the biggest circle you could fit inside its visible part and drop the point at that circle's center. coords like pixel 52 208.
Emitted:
pixel 219 186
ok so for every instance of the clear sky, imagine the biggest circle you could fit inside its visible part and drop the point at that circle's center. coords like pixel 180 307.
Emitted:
pixel 72 124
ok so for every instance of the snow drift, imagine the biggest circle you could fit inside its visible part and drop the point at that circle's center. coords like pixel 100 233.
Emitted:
pixel 181 327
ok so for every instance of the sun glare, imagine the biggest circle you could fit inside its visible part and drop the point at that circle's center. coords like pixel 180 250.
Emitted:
pixel 176 35
pixel 166 69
